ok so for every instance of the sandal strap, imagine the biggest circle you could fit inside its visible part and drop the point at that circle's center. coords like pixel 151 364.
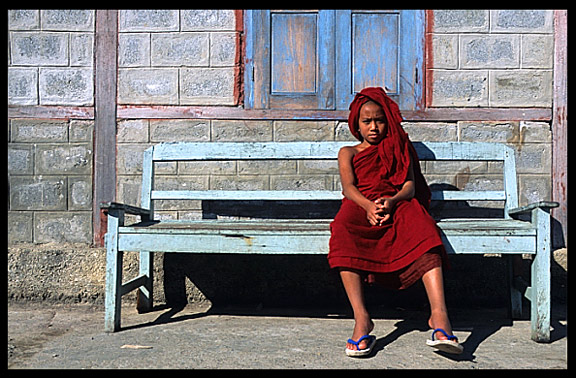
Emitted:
pixel 450 338
pixel 357 343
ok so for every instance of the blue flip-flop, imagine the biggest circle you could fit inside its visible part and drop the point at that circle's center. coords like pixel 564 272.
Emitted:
pixel 361 352
pixel 449 346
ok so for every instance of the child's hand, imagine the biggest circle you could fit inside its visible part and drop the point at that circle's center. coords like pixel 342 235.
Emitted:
pixel 386 206
pixel 376 214
pixel 386 203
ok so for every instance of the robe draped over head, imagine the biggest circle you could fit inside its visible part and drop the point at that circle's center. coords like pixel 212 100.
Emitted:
pixel 395 149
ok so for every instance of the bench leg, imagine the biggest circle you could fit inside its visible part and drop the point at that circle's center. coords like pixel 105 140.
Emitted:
pixel 540 293
pixel 113 291
pixel 515 294
pixel 144 299
pixel 113 295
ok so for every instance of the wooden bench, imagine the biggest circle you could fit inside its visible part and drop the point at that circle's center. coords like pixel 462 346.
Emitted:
pixel 507 235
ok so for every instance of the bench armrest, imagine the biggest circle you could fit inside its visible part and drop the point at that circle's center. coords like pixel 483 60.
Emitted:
pixel 532 206
pixel 107 206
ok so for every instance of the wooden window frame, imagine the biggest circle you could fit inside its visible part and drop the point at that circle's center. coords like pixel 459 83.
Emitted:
pixel 335 70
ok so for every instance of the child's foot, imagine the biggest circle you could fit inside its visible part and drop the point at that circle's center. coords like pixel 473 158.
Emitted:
pixel 440 320
pixel 361 328
pixel 442 338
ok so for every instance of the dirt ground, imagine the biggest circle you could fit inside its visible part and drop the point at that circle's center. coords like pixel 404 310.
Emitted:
pixel 72 337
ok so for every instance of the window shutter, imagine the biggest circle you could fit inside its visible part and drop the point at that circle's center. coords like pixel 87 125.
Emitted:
pixel 319 60
pixel 380 49
pixel 293 58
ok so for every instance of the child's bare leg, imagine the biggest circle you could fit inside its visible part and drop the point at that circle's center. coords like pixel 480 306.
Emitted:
pixel 433 282
pixel 353 285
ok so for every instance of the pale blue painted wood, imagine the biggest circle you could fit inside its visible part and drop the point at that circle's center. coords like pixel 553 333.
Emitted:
pixel 540 293
pixel 112 294
pixel 292 59
pixel 480 195
pixel 294 53
pixel 135 283
pixel 247 195
pixel 145 298
pixel 298 195
pixel 375 34
pixel 322 150
pixel 353 49
pixel 397 54
pixel 302 242
pixel 477 236
pixel 247 151
pixel 147 181
pixel 506 236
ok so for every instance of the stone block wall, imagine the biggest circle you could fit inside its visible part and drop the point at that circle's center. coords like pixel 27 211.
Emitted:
pixel 177 57
pixel 495 58
pixel 50 181
pixel 50 60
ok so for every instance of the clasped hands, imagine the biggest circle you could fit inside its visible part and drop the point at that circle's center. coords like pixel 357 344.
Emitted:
pixel 380 210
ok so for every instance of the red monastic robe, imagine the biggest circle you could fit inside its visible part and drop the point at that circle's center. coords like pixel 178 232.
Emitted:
pixel 395 253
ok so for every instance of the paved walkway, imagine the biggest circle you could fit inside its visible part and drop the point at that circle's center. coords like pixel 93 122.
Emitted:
pixel 62 337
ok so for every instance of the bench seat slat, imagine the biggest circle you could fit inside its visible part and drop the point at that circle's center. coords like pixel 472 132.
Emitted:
pixel 455 226
pixel 302 243
pixel 295 236
pixel 275 236
pixel 226 243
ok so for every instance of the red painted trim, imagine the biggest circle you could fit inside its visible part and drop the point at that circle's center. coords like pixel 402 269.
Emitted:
pixel 560 130
pixel 239 113
pixel 51 112
pixel 238 59
pixel 228 112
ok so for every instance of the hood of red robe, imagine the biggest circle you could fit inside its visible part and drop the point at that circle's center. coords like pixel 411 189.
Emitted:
pixel 395 149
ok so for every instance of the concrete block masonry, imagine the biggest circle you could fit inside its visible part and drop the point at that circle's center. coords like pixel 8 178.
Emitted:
pixel 148 86
pixel 460 88
pixel 50 167
pixel 39 49
pixel 490 51
pixel 51 57
pixel 512 88
pixel 172 57
pixel 499 58
pixel 188 49
pixel 22 86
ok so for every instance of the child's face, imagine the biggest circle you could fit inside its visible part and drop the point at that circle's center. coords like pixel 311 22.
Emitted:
pixel 372 123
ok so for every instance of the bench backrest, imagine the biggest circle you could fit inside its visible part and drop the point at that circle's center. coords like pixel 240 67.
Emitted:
pixel 449 151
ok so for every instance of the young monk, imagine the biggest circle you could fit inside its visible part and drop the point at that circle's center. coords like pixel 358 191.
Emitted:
pixel 383 231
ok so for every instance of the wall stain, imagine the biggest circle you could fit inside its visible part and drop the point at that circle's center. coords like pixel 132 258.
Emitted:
pixel 518 135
